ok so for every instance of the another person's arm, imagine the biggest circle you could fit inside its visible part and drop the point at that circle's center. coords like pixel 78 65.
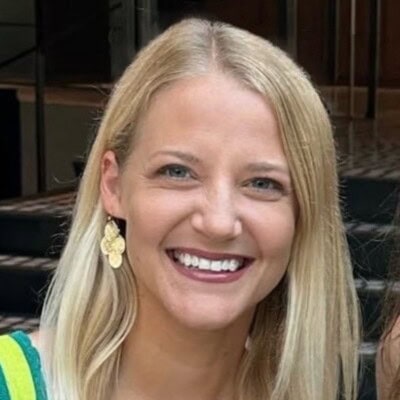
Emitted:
pixel 388 362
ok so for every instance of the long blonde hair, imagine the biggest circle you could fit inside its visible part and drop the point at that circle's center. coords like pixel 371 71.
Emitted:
pixel 305 334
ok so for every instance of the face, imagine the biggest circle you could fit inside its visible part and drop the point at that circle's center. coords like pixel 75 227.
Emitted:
pixel 207 197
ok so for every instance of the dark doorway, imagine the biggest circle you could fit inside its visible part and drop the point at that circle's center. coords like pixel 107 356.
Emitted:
pixel 10 145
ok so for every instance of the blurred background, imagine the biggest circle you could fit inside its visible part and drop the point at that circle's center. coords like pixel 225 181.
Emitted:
pixel 58 62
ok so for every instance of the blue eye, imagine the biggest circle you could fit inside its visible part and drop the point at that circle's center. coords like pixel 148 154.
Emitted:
pixel 175 171
pixel 267 188
pixel 262 184
pixel 265 184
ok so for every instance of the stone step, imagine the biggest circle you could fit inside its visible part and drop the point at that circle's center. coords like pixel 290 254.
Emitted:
pixel 13 322
pixel 35 226
pixel 371 294
pixel 369 199
pixel 371 246
pixel 367 389
pixel 23 281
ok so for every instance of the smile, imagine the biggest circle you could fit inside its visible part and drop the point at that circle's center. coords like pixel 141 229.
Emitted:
pixel 206 264
pixel 209 267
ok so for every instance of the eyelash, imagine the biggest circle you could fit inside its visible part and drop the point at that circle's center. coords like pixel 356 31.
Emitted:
pixel 276 185
pixel 167 169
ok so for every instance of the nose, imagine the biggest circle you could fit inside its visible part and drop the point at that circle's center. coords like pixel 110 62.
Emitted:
pixel 217 216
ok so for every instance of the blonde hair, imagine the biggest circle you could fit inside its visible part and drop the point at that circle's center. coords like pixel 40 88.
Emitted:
pixel 305 334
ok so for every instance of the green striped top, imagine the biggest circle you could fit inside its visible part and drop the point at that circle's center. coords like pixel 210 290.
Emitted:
pixel 21 375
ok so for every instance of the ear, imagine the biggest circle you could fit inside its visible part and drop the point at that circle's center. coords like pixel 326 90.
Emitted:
pixel 110 185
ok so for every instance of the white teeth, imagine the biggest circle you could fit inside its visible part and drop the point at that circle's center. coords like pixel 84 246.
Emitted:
pixel 206 264
pixel 181 258
pixel 216 266
pixel 225 265
pixel 233 265
pixel 187 260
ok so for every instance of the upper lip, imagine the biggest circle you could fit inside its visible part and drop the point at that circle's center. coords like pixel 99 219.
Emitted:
pixel 210 255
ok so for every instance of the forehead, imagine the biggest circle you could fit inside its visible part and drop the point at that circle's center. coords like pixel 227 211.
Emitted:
pixel 209 106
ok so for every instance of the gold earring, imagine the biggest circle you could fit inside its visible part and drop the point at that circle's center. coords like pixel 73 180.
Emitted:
pixel 112 244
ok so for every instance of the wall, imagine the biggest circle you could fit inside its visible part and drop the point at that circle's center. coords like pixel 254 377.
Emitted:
pixel 70 121
pixel 313 21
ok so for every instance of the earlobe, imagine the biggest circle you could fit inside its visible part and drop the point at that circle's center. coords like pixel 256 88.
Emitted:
pixel 110 191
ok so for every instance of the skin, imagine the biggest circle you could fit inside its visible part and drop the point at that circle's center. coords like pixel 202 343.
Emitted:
pixel 207 173
pixel 388 361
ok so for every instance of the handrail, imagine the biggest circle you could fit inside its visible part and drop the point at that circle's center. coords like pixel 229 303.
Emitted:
pixel 352 56
pixel 374 54
pixel 40 82
pixel 374 57
pixel 287 25
pixel 291 27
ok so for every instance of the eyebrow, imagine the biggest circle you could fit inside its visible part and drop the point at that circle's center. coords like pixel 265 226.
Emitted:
pixel 267 167
pixel 179 154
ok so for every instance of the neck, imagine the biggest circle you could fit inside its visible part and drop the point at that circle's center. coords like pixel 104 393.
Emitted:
pixel 163 359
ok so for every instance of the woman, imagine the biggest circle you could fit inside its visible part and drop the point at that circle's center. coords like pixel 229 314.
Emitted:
pixel 207 257
pixel 387 364
pixel 388 354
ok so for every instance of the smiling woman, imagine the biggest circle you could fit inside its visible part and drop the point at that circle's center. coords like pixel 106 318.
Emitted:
pixel 183 197
pixel 207 258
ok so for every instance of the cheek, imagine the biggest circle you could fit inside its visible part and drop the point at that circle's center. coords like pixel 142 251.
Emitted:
pixel 283 237
pixel 151 216
pixel 275 231
pixel 277 238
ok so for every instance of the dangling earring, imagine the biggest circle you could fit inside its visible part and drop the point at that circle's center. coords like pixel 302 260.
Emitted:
pixel 113 244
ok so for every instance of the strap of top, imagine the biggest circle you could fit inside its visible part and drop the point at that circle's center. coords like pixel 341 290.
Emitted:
pixel 20 371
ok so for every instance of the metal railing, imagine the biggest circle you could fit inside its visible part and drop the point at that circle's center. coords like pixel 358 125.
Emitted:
pixel 290 23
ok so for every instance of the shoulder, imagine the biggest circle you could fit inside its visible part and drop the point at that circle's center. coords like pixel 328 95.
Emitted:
pixel 35 340
pixel 388 360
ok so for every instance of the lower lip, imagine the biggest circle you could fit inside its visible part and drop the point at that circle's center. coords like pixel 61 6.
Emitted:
pixel 207 276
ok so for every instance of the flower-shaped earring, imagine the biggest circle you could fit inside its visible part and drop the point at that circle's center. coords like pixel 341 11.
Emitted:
pixel 113 244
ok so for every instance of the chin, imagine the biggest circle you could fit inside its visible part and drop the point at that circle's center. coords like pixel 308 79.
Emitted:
pixel 211 318
pixel 205 324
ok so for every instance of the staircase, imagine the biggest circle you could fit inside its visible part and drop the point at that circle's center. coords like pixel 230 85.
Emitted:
pixel 370 182
pixel 32 233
